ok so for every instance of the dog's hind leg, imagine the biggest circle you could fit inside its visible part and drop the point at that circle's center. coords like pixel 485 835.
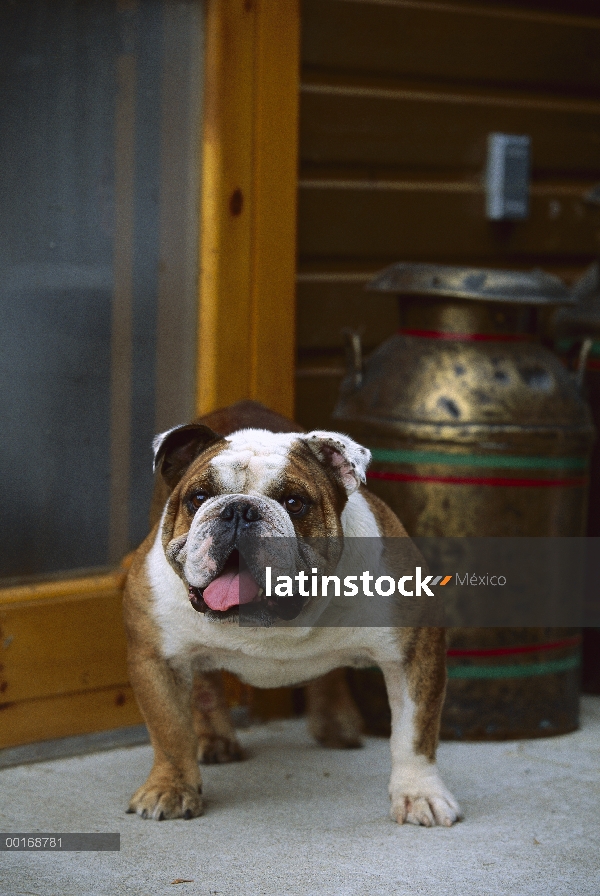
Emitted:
pixel 333 717
pixel 212 723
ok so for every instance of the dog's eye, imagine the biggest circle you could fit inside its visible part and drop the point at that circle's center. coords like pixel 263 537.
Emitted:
pixel 197 499
pixel 294 505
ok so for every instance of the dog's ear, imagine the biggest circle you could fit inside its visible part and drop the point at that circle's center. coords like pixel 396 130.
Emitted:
pixel 345 459
pixel 175 449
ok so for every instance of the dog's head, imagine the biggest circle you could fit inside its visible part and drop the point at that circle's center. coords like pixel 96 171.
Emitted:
pixel 273 499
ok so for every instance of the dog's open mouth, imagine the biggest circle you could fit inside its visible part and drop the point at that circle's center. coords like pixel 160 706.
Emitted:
pixel 235 588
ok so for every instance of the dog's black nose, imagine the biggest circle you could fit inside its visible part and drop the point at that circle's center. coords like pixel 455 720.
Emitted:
pixel 242 511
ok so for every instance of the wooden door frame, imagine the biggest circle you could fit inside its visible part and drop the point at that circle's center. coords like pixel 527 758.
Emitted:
pixel 246 328
pixel 52 684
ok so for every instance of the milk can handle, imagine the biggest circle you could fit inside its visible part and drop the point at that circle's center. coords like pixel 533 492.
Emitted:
pixel 584 351
pixel 354 357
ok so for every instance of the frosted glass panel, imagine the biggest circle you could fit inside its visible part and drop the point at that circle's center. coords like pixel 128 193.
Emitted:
pixel 99 120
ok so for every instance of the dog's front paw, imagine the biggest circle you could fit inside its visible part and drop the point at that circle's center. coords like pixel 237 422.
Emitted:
pixel 423 801
pixel 216 748
pixel 162 801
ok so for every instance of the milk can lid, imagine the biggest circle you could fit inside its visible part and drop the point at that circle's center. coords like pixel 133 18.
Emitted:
pixel 488 284
pixel 583 317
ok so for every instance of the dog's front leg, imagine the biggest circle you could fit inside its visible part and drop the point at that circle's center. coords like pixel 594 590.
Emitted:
pixel 174 785
pixel 416 690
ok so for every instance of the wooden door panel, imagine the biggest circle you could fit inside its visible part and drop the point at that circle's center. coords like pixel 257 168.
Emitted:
pixel 74 643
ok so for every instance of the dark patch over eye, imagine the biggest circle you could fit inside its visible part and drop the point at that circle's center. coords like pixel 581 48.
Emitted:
pixel 196 499
pixel 295 505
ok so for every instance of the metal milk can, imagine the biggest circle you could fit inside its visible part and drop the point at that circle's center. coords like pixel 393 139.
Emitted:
pixel 477 429
pixel 577 330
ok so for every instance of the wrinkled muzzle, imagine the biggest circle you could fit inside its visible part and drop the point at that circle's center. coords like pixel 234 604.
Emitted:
pixel 225 555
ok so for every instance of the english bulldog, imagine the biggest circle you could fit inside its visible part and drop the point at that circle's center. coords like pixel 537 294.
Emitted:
pixel 246 494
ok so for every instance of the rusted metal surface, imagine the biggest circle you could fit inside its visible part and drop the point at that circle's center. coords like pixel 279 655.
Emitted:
pixel 478 430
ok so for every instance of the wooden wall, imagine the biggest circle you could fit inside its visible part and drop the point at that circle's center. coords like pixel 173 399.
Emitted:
pixel 397 98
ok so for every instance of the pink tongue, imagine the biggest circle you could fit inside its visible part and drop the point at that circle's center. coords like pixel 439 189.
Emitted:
pixel 230 589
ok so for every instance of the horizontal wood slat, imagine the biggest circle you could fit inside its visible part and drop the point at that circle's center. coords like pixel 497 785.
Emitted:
pixel 46 718
pixel 480 43
pixel 99 585
pixel 316 396
pixel 352 124
pixel 433 222
pixel 324 310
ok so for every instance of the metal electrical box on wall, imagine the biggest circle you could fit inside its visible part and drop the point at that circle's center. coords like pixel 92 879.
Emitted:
pixel 507 177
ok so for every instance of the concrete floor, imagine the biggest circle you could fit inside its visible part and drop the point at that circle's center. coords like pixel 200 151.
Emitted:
pixel 297 819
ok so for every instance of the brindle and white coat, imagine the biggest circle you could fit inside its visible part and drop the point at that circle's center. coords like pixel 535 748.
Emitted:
pixel 249 478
